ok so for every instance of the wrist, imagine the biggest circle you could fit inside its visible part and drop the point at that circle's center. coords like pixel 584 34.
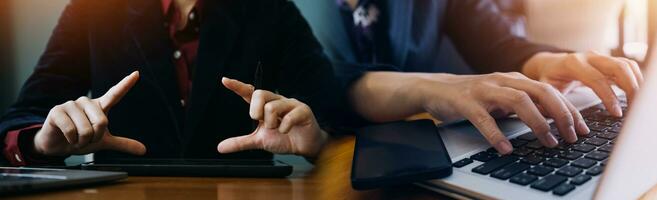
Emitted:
pixel 433 88
pixel 535 65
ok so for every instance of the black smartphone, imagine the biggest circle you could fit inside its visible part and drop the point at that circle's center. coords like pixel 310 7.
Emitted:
pixel 398 153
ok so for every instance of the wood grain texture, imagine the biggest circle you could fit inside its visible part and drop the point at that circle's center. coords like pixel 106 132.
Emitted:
pixel 329 179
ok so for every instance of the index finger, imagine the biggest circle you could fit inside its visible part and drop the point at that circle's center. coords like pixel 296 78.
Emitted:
pixel 244 90
pixel 114 94
pixel 620 70
pixel 598 82
pixel 485 123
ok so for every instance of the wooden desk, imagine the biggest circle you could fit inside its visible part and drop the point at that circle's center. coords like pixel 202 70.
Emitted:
pixel 328 180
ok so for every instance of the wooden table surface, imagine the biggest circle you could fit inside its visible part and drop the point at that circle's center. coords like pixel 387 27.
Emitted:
pixel 328 179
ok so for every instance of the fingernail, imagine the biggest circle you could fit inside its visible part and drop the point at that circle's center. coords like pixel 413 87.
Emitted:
pixel 572 132
pixel 618 111
pixel 504 147
pixel 583 127
pixel 552 142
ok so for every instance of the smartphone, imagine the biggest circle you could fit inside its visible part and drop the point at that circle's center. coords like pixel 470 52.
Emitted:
pixel 398 153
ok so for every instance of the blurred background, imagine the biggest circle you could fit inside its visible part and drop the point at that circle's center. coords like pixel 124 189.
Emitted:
pixel 617 27
pixel 25 26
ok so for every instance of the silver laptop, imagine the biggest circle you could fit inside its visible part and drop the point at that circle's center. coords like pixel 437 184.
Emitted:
pixel 585 170
pixel 17 180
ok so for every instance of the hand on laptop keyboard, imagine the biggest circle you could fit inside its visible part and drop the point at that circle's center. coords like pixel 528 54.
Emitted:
pixel 476 97
pixel 559 170
pixel 80 127
pixel 566 71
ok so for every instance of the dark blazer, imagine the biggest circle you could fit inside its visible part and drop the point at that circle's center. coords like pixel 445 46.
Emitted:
pixel 97 43
pixel 419 34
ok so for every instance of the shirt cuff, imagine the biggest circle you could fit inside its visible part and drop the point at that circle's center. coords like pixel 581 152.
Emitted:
pixel 18 152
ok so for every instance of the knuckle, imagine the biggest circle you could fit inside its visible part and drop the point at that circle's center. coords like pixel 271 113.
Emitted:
pixel 69 104
pixel 599 79
pixel 545 87
pixel 517 75
pixel 572 59
pixel 56 109
pixel 565 117
pixel 482 119
pixel 306 110
pixel 83 99
pixel 86 133
pixel 478 87
pixel 632 62
pixel 259 94
pixel 518 97
pixel 101 123
pixel 498 76
pixel 270 108
pixel 68 129
pixel 86 130
pixel 98 129
pixel 539 126
pixel 295 101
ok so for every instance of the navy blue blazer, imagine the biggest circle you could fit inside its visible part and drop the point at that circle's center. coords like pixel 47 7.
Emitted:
pixel 419 34
pixel 97 43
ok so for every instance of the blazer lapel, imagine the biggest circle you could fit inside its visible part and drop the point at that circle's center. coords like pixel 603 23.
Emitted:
pixel 219 30
pixel 146 28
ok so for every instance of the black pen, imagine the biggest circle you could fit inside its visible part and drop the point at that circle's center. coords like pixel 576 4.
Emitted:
pixel 257 83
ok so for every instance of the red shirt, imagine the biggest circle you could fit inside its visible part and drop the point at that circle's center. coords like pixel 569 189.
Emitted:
pixel 186 41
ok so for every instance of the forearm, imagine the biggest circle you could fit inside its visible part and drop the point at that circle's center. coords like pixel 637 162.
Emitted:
pixel 390 96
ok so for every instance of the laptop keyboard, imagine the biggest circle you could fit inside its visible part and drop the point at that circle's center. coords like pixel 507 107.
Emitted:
pixel 559 170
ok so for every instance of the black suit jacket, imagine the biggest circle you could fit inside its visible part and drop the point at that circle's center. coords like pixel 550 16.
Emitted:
pixel 97 43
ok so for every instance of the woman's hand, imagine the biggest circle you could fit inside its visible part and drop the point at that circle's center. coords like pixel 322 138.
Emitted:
pixel 566 71
pixel 479 98
pixel 80 127
pixel 285 126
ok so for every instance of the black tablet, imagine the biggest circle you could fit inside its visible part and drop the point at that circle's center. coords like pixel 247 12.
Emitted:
pixel 195 167
pixel 398 153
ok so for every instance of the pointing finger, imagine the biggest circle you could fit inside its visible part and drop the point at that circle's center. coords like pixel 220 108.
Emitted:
pixel 482 120
pixel 114 94
pixel 244 90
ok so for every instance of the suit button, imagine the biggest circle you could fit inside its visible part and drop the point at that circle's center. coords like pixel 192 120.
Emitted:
pixel 18 158
pixel 177 54
pixel 192 16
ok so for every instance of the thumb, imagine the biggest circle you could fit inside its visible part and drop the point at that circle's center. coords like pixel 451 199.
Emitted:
pixel 240 143
pixel 244 90
pixel 123 144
